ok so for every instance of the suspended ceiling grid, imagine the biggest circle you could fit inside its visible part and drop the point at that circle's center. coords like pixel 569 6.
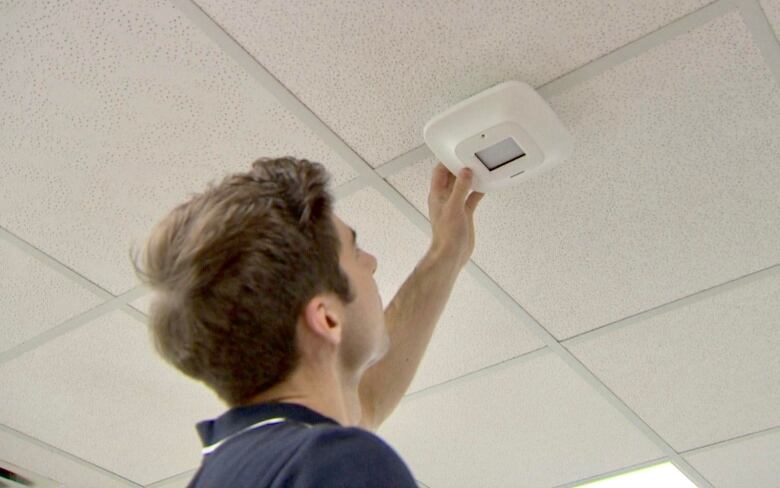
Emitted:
pixel 655 342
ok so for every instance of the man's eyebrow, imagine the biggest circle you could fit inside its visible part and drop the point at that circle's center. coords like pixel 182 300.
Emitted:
pixel 354 235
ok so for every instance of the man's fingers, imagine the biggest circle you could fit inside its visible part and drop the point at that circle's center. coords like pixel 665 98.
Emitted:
pixel 439 176
pixel 473 200
pixel 441 182
pixel 462 185
pixel 445 186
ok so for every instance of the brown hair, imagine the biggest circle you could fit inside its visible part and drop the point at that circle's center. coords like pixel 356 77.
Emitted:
pixel 233 267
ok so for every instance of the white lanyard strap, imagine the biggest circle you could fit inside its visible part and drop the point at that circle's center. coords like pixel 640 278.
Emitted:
pixel 211 448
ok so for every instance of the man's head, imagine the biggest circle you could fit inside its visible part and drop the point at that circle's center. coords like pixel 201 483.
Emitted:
pixel 256 277
pixel 356 331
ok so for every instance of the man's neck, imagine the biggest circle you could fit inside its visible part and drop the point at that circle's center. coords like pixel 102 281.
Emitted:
pixel 325 395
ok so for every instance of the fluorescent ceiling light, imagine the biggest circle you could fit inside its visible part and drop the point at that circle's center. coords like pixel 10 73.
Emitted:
pixel 665 474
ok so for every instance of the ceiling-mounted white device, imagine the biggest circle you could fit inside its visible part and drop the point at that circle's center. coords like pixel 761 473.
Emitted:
pixel 505 134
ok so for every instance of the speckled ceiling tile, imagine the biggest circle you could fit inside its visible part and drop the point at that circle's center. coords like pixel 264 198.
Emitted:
pixel 672 188
pixel 530 422
pixel 375 71
pixel 748 462
pixel 142 304
pixel 34 298
pixel 771 9
pixel 113 112
pixel 102 393
pixel 699 374
pixel 54 466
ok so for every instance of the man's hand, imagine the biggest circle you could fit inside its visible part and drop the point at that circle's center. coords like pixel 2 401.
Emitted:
pixel 452 213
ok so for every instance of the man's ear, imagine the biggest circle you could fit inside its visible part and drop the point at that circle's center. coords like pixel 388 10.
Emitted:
pixel 324 316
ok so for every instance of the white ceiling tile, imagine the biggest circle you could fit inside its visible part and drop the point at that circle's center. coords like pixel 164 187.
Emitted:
pixel 749 462
pixel 104 378
pixel 180 481
pixel 473 332
pixel 699 374
pixel 376 71
pixel 57 467
pixel 34 298
pixel 142 304
pixel 772 10
pixel 114 112
pixel 672 188
pixel 529 422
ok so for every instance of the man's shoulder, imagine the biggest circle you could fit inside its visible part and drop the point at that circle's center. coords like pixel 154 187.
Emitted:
pixel 334 437
pixel 331 452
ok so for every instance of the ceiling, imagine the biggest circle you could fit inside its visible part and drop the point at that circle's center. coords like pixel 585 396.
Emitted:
pixel 620 310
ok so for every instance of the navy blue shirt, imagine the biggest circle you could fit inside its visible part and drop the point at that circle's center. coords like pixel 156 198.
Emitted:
pixel 275 445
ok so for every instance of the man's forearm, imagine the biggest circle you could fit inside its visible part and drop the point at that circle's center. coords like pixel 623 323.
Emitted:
pixel 410 319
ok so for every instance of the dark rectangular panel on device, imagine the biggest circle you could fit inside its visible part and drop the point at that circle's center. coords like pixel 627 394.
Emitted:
pixel 499 154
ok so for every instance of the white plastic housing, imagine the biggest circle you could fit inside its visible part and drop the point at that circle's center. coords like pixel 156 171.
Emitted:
pixel 511 109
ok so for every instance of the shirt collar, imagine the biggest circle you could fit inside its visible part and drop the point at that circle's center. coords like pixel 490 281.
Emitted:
pixel 237 418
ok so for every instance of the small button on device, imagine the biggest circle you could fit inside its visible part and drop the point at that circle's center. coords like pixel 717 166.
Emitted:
pixel 505 134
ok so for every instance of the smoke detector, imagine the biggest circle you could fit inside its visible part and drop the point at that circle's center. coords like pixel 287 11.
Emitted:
pixel 505 134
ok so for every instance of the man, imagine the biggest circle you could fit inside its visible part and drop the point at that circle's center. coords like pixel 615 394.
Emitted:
pixel 262 293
